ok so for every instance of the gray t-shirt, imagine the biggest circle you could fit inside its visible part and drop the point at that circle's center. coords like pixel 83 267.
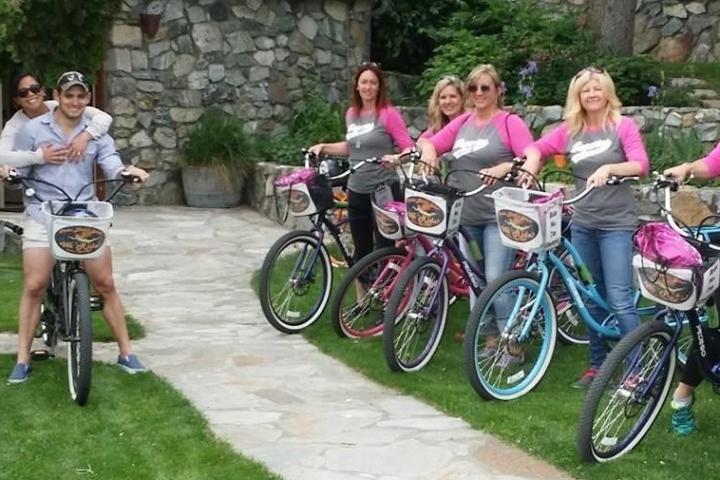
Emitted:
pixel 367 137
pixel 475 148
pixel 609 207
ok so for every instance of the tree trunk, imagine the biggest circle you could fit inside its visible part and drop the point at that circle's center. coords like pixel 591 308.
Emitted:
pixel 613 23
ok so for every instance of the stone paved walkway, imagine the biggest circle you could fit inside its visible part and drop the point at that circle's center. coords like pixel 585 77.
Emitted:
pixel 185 273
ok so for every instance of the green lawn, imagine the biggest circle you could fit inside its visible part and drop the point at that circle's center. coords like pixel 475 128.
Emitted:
pixel 134 426
pixel 543 422
pixel 11 281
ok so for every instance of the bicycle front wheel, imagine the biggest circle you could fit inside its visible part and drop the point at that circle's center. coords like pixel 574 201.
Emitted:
pixel 622 403
pixel 415 316
pixel 571 327
pixel 357 309
pixel 295 281
pixel 505 360
pixel 79 333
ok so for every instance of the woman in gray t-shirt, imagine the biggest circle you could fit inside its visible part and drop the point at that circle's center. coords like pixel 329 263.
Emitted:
pixel 374 129
pixel 600 143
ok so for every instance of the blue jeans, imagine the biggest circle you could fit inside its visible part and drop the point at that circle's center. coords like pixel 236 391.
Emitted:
pixel 497 259
pixel 608 256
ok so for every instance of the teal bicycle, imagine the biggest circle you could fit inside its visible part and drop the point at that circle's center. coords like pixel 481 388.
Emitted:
pixel 504 363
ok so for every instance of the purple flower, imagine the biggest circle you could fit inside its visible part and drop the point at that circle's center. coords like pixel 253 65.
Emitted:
pixel 526 90
pixel 503 87
pixel 532 67
pixel 652 91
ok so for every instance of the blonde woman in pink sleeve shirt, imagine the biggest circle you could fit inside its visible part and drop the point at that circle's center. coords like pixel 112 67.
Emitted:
pixel 600 143
pixel 683 419
pixel 485 140
pixel 446 103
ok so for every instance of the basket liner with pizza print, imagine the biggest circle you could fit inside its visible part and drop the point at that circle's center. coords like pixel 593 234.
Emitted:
pixel 305 191
pixel 670 270
pixel 390 219
pixel 77 237
pixel 528 220
pixel 433 209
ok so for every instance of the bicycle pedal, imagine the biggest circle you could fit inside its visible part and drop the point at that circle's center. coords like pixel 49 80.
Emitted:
pixel 96 303
pixel 40 355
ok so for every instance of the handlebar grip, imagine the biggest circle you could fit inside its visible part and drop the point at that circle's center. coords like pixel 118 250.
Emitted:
pixel 129 177
pixel 16 229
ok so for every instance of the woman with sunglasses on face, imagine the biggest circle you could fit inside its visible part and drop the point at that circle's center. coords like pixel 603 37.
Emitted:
pixel 446 103
pixel 600 143
pixel 374 129
pixel 28 94
pixel 483 140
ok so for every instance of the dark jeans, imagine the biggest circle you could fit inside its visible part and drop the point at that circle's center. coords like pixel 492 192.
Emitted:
pixel 362 222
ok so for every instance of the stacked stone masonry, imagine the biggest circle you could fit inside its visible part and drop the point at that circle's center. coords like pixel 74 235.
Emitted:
pixel 670 30
pixel 254 59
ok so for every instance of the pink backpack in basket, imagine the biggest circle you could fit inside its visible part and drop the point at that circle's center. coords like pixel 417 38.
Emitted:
pixel 659 243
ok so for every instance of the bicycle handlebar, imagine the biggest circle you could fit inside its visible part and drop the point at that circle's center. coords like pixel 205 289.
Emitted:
pixel 16 229
pixel 613 180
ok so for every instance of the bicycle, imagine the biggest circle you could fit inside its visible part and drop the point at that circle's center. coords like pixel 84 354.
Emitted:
pixel 77 231
pixel 359 312
pixel 633 383
pixel 296 275
pixel 530 221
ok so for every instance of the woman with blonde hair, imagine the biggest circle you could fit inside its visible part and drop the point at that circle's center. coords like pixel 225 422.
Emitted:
pixel 446 103
pixel 600 143
pixel 484 139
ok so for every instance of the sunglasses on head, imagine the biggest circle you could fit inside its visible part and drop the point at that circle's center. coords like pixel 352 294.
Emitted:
pixel 472 88
pixel 590 70
pixel 450 78
pixel 35 88
pixel 370 64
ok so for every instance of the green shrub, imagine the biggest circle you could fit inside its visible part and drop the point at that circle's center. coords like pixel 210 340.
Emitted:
pixel 315 121
pixel 218 140
pixel 668 147
pixel 509 34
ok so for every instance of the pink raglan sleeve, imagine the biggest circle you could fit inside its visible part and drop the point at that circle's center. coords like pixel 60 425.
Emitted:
pixel 516 136
pixel 553 143
pixel 395 126
pixel 444 140
pixel 633 145
pixel 712 161
pixel 427 134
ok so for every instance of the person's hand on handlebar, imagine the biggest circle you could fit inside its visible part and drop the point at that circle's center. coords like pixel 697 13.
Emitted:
pixel 490 175
pixel 137 172
pixel 530 167
pixel 5 171
pixel 316 149
pixel 680 172
pixel 600 177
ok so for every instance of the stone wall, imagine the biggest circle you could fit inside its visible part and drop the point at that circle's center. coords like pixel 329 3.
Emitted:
pixel 251 58
pixel 670 30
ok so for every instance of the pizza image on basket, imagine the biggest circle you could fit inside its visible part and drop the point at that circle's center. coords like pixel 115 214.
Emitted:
pixel 423 212
pixel 299 200
pixel 665 286
pixel 80 240
pixel 517 226
pixel 386 224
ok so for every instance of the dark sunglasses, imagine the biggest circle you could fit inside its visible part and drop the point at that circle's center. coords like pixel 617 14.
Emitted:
pixel 589 70
pixel 472 88
pixel 35 88
pixel 370 64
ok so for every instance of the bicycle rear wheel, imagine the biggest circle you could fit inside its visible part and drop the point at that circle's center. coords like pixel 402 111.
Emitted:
pixel 79 333
pixel 415 316
pixel 504 363
pixel 357 309
pixel 295 281
pixel 620 406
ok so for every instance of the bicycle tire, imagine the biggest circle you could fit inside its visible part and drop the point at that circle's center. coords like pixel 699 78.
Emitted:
pixel 79 334
pixel 294 321
pixel 623 394
pixel 487 369
pixel 399 331
pixel 373 302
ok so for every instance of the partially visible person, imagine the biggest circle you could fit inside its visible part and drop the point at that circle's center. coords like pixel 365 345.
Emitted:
pixel 60 127
pixel 446 103
pixel 600 143
pixel 374 129
pixel 484 139
pixel 683 418
pixel 28 96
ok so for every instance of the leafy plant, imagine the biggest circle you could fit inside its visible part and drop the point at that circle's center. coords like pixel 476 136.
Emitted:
pixel 56 35
pixel 316 120
pixel 218 141
pixel 669 147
